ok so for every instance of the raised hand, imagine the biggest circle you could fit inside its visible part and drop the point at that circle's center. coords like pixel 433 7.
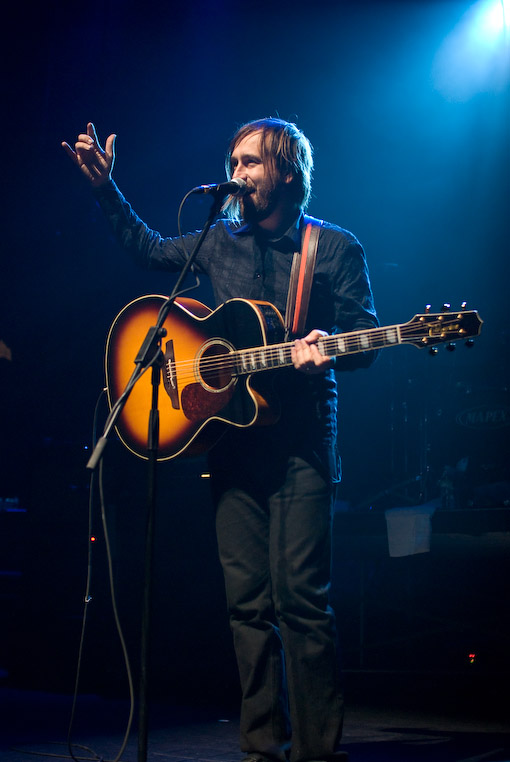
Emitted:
pixel 95 163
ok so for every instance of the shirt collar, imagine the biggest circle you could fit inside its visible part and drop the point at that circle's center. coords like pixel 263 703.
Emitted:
pixel 291 237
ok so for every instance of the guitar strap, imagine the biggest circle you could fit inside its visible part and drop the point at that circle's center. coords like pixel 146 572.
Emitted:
pixel 301 276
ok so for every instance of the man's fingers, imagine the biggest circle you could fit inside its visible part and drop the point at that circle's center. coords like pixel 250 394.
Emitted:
pixel 87 153
pixel 110 147
pixel 306 355
pixel 69 151
pixel 85 145
pixel 91 132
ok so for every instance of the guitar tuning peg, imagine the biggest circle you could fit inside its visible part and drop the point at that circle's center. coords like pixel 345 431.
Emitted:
pixel 450 347
pixel 470 343
pixel 433 351
pixel 427 309
pixel 445 307
pixel 463 305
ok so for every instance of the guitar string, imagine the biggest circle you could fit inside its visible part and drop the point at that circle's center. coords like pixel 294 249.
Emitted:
pixel 274 351
pixel 234 360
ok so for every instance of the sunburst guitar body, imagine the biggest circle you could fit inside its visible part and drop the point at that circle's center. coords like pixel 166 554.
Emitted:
pixel 204 388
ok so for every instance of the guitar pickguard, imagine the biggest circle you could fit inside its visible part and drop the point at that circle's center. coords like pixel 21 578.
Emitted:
pixel 199 403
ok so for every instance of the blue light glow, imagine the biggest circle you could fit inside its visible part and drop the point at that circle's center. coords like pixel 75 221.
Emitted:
pixel 495 18
pixel 475 56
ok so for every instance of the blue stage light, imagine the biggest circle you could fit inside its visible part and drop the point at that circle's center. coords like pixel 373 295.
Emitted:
pixel 496 17
pixel 475 56
pixel 491 21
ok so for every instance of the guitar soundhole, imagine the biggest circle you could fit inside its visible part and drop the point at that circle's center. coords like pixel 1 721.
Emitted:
pixel 215 365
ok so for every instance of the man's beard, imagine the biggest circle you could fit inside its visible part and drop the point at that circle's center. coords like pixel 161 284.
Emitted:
pixel 260 205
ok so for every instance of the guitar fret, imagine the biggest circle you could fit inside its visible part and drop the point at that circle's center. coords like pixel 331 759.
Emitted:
pixel 274 359
pixel 340 344
pixel 363 341
pixel 263 358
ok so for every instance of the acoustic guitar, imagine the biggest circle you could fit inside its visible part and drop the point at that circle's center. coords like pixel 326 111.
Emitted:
pixel 213 362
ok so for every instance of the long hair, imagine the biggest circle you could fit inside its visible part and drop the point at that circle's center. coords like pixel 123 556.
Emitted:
pixel 285 151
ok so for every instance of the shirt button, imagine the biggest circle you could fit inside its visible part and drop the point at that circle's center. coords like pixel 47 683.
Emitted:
pixel 257 275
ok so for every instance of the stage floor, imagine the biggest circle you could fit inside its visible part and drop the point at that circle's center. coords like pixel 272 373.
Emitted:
pixel 35 726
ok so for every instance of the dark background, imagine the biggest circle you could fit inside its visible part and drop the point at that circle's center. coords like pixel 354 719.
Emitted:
pixel 411 154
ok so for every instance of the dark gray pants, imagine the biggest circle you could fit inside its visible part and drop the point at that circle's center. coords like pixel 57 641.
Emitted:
pixel 274 537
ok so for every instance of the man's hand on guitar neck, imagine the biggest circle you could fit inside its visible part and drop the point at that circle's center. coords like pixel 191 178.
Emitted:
pixel 95 163
pixel 306 356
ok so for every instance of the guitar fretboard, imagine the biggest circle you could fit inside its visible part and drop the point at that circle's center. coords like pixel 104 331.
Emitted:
pixel 422 331
pixel 279 355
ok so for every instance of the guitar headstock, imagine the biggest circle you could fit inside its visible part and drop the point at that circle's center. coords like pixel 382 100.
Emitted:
pixel 446 326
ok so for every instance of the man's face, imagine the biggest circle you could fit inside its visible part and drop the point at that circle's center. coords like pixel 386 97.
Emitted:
pixel 264 194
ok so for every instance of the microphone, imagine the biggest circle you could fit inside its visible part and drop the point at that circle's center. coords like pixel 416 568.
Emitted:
pixel 236 187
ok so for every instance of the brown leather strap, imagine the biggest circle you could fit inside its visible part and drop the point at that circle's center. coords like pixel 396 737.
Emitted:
pixel 300 284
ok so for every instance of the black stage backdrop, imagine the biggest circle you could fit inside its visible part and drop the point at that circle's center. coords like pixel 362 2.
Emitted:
pixel 409 156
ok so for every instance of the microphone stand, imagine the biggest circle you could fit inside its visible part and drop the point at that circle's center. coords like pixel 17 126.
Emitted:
pixel 150 353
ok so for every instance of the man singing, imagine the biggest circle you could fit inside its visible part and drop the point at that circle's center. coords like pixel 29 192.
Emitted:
pixel 273 486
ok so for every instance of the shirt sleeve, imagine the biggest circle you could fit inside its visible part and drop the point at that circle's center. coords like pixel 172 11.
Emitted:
pixel 147 247
pixel 354 302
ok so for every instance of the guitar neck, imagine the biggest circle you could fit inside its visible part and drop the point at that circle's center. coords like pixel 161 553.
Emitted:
pixel 339 345
pixel 425 330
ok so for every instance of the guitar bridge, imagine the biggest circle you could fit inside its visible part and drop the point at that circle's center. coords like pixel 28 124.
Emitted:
pixel 170 376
